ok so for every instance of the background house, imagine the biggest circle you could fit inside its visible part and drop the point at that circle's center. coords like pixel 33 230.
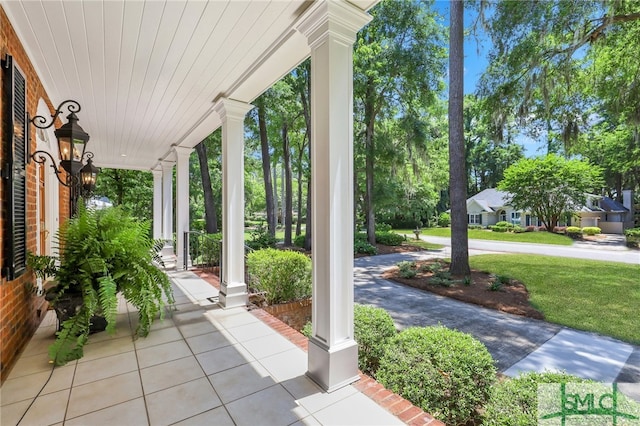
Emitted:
pixel 490 206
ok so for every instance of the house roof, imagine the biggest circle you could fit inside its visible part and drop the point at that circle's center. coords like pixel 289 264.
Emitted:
pixel 606 204
pixel 490 199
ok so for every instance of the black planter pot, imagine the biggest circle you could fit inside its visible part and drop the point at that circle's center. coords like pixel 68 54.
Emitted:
pixel 67 305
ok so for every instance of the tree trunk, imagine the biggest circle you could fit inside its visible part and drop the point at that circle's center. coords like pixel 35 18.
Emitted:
pixel 457 172
pixel 299 204
pixel 369 113
pixel 306 110
pixel 266 168
pixel 210 216
pixel 276 202
pixel 288 192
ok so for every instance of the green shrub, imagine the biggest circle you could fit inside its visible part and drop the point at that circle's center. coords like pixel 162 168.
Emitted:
pixel 633 237
pixel 515 401
pixel 360 236
pixel 284 275
pixel 444 220
pixel 447 373
pixel 496 228
pixel 389 238
pixel 494 286
pixel 307 329
pixel 517 229
pixel 299 240
pixel 211 248
pixel 475 226
pixel 373 327
pixel 573 232
pixel 363 247
pixel 383 227
pixel 407 269
pixel 591 230
pixel 504 224
pixel 261 239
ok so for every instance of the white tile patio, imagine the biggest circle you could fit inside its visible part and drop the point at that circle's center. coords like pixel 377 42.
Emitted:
pixel 200 365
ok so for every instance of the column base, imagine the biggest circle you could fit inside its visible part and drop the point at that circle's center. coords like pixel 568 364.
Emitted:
pixel 233 295
pixel 335 367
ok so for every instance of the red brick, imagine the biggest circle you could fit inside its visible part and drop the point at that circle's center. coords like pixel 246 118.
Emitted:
pixel 400 407
pixel 410 414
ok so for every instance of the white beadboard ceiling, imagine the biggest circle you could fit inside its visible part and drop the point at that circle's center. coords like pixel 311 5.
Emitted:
pixel 147 73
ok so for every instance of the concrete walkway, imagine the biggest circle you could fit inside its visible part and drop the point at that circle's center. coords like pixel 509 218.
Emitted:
pixel 516 343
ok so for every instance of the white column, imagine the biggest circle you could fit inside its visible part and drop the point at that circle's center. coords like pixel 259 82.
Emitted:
pixel 233 289
pixel 182 202
pixel 157 203
pixel 331 30
pixel 167 208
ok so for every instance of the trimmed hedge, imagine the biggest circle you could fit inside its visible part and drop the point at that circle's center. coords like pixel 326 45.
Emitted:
pixel 447 373
pixel 373 327
pixel 591 230
pixel 284 275
pixel 389 238
pixel 633 237
pixel 515 401
pixel 573 232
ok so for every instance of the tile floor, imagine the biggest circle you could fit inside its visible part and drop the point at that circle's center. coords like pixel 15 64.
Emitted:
pixel 200 365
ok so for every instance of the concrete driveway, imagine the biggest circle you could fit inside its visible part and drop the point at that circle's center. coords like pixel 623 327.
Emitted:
pixel 516 343
pixel 611 252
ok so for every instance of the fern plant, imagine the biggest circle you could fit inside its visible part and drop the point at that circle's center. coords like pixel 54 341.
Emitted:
pixel 102 253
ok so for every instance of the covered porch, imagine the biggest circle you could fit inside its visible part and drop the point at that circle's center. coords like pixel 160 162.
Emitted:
pixel 155 78
pixel 201 365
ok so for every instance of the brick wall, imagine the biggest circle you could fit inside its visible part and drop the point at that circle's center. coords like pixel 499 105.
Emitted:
pixel 18 305
pixel 294 314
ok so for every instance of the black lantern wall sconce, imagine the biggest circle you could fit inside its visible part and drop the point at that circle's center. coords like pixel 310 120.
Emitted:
pixel 72 144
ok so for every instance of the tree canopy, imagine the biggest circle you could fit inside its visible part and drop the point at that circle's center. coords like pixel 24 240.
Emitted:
pixel 550 187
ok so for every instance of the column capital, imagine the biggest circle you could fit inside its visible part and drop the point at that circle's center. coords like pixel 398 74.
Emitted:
pixel 229 108
pixel 167 164
pixel 157 171
pixel 335 17
pixel 182 151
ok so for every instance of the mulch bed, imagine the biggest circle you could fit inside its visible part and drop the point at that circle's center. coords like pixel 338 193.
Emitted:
pixel 512 298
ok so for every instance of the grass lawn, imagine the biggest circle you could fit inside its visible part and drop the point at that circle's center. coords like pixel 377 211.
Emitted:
pixel 422 244
pixel 583 294
pixel 481 234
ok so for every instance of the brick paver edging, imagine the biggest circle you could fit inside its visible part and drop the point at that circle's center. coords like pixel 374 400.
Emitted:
pixel 393 403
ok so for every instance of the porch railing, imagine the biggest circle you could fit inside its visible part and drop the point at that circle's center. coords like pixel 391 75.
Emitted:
pixel 202 250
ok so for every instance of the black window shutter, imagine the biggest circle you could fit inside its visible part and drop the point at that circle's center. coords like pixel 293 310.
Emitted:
pixel 14 176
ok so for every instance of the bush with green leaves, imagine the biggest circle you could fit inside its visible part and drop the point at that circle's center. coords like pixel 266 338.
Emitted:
pixel 517 229
pixel 260 238
pixel 475 226
pixel 573 232
pixel 633 237
pixel 299 240
pixel 496 228
pixel 444 220
pixel 362 246
pixel 103 252
pixel 407 269
pixel 373 327
pixel 515 401
pixel 446 373
pixel 211 248
pixel 505 224
pixel 389 238
pixel 383 227
pixel 591 230
pixel 283 275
